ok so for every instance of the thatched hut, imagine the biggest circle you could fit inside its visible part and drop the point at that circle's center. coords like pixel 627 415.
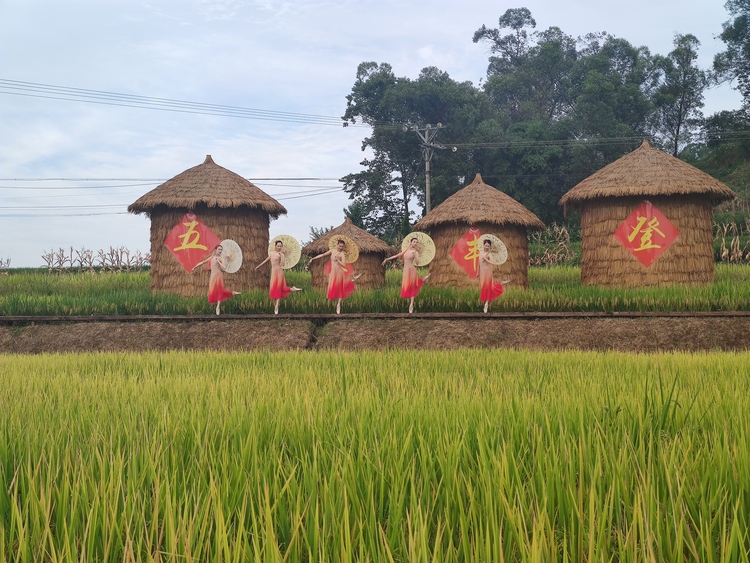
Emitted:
pixel 372 252
pixel 610 202
pixel 490 211
pixel 229 205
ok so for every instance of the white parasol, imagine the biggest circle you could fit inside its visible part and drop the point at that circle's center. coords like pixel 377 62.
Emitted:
pixel 232 255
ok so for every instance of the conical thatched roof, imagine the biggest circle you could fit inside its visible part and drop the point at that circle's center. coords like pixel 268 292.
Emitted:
pixel 480 203
pixel 211 185
pixel 647 172
pixel 365 241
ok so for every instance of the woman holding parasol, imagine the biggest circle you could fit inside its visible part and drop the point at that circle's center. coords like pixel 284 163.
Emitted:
pixel 417 249
pixel 281 259
pixel 218 264
pixel 343 251
pixel 493 253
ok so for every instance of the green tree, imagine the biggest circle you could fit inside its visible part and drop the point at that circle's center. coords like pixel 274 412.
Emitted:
pixel 733 64
pixel 390 187
pixel 561 108
pixel 679 98
pixel 509 50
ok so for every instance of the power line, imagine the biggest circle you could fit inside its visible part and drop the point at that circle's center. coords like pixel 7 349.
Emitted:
pixel 151 179
pixel 315 192
pixel 37 216
pixel 49 91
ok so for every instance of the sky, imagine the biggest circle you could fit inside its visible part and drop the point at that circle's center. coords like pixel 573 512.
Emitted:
pixel 69 169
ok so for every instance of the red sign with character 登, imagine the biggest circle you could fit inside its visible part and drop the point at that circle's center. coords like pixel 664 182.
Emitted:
pixel 646 233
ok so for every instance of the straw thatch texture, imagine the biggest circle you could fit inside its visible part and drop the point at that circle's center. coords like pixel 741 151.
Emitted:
pixel 210 185
pixel 444 272
pixel 477 203
pixel 247 227
pixel 492 212
pixel 646 172
pixel 372 252
pixel 689 259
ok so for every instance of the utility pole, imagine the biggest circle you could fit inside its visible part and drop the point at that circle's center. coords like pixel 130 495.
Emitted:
pixel 426 134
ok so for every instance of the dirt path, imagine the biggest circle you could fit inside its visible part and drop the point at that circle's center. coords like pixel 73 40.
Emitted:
pixel 625 334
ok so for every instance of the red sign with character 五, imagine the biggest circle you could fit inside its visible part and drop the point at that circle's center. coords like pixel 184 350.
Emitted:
pixel 190 241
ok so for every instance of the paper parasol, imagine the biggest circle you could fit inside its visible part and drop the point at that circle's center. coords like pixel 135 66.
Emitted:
pixel 351 249
pixel 292 250
pixel 425 246
pixel 232 255
pixel 498 249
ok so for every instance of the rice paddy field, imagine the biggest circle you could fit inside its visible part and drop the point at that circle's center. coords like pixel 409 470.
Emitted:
pixel 469 455
pixel 558 288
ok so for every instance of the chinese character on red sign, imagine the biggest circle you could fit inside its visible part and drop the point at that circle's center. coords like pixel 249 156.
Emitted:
pixel 466 252
pixel 191 241
pixel 646 233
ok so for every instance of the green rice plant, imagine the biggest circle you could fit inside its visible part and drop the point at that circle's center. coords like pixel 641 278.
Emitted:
pixel 471 455
pixel 555 289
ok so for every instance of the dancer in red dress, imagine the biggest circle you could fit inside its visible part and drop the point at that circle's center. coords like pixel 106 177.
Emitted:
pixel 277 289
pixel 216 290
pixel 489 291
pixel 340 274
pixel 411 283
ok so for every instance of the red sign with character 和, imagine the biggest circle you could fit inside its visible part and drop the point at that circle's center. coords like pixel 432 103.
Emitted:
pixel 466 252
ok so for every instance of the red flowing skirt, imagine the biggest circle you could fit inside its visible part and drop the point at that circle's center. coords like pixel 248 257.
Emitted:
pixel 216 290
pixel 340 285
pixel 278 288
pixel 488 290
pixel 411 283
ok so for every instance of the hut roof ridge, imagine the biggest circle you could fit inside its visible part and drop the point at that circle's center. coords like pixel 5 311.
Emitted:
pixel 211 185
pixel 480 203
pixel 366 241
pixel 647 171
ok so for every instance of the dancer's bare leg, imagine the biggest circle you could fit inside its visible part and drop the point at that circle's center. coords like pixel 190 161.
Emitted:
pixel 218 307
pixel 338 307
pixel 486 306
pixel 276 307
pixel 411 305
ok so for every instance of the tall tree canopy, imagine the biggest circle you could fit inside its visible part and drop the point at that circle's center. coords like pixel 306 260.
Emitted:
pixel 734 63
pixel 388 188
pixel 679 97
pixel 553 110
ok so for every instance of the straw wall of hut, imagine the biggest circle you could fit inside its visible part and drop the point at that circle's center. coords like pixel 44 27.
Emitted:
pixel 445 272
pixel 689 259
pixel 229 205
pixel 491 212
pixel 245 226
pixel 372 252
pixel 681 192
